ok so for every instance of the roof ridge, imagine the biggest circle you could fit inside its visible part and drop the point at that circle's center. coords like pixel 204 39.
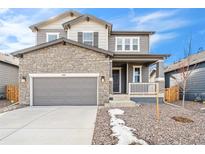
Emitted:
pixel 84 16
pixel 32 27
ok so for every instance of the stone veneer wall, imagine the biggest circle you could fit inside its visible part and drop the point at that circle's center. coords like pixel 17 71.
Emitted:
pixel 64 59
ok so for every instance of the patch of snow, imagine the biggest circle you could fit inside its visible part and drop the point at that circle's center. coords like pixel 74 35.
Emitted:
pixel 123 133
pixel 114 112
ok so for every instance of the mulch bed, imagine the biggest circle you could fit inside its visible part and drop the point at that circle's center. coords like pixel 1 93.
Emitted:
pixel 164 131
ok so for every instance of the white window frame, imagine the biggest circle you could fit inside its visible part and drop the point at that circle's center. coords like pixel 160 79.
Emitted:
pixel 133 74
pixel 116 44
pixel 131 44
pixel 92 36
pixel 47 34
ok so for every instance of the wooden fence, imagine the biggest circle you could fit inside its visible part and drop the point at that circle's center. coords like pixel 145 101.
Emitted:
pixel 12 93
pixel 172 94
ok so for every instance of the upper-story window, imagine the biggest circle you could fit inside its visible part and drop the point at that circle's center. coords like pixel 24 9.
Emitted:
pixel 127 44
pixel 119 44
pixel 51 36
pixel 88 38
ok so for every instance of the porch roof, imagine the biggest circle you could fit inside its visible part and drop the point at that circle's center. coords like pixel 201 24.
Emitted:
pixel 141 58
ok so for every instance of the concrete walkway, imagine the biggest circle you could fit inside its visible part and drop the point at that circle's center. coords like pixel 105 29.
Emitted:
pixel 48 125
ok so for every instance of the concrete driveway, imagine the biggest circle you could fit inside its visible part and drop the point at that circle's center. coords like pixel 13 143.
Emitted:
pixel 48 125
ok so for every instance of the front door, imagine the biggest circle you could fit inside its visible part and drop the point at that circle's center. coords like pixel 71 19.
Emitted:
pixel 116 80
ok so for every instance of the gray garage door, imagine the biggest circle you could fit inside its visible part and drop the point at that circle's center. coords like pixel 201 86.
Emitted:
pixel 64 91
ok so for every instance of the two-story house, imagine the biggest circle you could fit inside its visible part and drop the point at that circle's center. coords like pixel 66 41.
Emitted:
pixel 79 60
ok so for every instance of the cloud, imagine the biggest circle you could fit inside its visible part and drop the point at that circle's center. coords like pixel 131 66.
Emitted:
pixel 4 10
pixel 160 21
pixel 162 37
pixel 164 22
pixel 14 31
pixel 154 16
pixel 15 27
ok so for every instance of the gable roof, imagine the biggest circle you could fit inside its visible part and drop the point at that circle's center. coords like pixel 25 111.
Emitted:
pixel 193 59
pixel 87 17
pixel 61 40
pixel 9 59
pixel 55 18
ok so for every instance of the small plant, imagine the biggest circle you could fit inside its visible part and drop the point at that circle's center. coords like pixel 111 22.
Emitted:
pixel 182 119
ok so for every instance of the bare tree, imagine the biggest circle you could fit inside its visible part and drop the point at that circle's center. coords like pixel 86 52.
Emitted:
pixel 186 67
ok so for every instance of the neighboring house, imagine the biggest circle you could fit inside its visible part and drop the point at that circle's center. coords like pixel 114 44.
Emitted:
pixel 152 75
pixel 80 60
pixel 196 83
pixel 8 72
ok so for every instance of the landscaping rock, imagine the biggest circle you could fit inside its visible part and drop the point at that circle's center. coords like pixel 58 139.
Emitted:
pixel 147 127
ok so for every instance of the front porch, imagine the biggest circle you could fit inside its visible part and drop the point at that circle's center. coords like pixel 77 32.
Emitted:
pixel 130 78
pixel 133 79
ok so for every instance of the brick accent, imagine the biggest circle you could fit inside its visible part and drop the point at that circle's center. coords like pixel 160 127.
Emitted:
pixel 64 59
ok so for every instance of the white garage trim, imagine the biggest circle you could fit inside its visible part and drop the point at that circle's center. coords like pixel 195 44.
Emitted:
pixel 31 76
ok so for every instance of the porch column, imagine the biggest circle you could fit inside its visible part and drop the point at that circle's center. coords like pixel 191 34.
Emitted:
pixel 127 78
pixel 111 79
pixel 160 75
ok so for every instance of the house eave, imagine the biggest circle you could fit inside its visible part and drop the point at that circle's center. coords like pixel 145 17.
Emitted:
pixel 58 41
pixel 87 17
pixel 35 27
pixel 132 32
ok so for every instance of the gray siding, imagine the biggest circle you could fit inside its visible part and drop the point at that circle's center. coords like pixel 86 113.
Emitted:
pixel 144 43
pixel 8 75
pixel 160 69
pixel 41 34
pixel 195 84
pixel 145 72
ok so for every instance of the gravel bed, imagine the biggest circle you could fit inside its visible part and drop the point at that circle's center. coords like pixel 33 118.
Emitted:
pixel 165 131
pixel 190 105
pixel 12 107
pixel 4 103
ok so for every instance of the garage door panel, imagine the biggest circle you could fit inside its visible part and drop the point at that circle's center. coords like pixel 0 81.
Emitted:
pixel 65 91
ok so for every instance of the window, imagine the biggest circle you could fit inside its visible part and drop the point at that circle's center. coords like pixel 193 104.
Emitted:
pixel 135 43
pixel 136 74
pixel 127 44
pixel 51 36
pixel 88 38
pixel 119 44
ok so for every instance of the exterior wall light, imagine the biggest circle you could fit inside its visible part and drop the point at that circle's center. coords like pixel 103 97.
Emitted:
pixel 23 79
pixel 102 78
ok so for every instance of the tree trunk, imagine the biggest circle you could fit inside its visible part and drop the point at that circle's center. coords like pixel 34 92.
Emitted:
pixel 184 91
pixel 183 98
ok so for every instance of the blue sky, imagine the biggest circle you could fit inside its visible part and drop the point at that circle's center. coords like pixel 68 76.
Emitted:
pixel 174 27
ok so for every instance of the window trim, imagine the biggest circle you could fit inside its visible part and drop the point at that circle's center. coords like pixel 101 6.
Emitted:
pixel 116 44
pixel 58 34
pixel 133 70
pixel 131 44
pixel 92 36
